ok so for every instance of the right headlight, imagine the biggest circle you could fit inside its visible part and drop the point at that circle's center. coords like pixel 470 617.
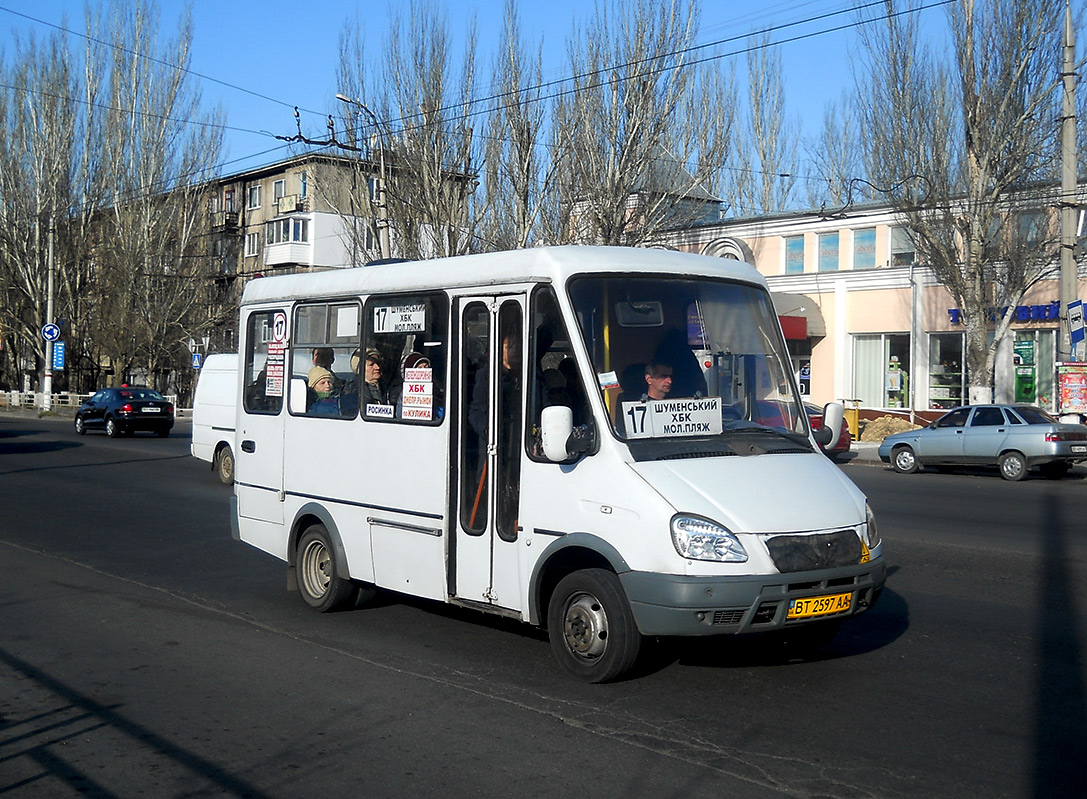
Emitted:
pixel 870 525
pixel 701 539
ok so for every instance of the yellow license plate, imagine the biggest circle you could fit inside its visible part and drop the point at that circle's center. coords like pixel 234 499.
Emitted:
pixel 811 606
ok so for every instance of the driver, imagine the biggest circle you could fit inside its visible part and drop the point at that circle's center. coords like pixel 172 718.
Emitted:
pixel 658 379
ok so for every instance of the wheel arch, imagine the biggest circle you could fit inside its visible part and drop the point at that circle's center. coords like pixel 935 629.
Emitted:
pixel 309 514
pixel 567 554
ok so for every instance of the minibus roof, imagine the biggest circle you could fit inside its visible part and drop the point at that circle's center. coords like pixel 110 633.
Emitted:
pixel 538 264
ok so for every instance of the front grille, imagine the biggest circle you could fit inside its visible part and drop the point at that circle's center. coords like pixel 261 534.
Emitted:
pixel 728 616
pixel 797 553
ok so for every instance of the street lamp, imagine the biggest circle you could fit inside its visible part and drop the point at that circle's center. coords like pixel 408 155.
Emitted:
pixel 382 207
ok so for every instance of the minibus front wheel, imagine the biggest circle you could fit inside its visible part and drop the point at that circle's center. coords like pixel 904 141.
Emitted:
pixel 315 566
pixel 592 630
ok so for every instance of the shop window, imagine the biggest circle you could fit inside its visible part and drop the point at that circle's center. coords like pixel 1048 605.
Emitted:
pixel 864 248
pixel 794 255
pixel 946 386
pixel 881 377
pixel 828 252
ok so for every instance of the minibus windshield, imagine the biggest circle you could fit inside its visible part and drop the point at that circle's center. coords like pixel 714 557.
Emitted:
pixel 684 358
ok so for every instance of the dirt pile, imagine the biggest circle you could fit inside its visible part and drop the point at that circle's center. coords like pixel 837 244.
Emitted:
pixel 878 429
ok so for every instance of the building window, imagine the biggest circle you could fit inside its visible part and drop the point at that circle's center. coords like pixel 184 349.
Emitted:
pixel 880 374
pixel 945 383
pixel 253 196
pixel 214 206
pixel 284 231
pixel 303 187
pixel 902 249
pixel 252 244
pixel 228 201
pixel 828 252
pixel 864 248
pixel 794 255
pixel 279 188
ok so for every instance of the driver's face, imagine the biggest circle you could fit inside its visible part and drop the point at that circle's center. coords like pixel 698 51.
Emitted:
pixel 660 383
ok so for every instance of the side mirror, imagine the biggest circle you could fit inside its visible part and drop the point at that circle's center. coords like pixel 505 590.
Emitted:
pixel 298 395
pixel 560 439
pixel 828 434
pixel 556 425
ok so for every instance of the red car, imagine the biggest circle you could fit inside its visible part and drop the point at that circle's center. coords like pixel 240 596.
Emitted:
pixel 845 438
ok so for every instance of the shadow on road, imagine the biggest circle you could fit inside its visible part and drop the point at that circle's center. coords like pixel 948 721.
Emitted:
pixel 1060 734
pixel 40 739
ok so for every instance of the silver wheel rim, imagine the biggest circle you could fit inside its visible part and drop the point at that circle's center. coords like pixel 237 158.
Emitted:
pixel 78 425
pixel 585 626
pixel 904 459
pixel 1012 467
pixel 315 566
pixel 111 427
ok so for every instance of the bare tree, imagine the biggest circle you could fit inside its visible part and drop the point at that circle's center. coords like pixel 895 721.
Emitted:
pixel 38 111
pixel 834 158
pixel 956 142
pixel 642 135
pixel 517 173
pixel 153 270
pixel 765 153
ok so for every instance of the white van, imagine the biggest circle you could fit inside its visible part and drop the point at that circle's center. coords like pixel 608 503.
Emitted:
pixel 214 410
pixel 605 442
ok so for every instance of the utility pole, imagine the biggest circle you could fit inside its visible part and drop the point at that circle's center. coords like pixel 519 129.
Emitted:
pixel 382 207
pixel 1069 287
pixel 47 384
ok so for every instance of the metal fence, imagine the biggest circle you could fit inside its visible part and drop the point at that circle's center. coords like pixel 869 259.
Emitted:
pixel 36 399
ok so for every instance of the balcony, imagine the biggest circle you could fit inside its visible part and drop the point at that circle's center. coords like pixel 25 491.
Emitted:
pixel 291 203
pixel 226 221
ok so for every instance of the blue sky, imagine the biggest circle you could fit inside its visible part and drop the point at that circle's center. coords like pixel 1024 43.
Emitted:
pixel 287 51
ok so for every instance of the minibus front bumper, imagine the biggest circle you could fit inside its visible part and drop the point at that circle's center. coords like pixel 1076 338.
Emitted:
pixel 672 604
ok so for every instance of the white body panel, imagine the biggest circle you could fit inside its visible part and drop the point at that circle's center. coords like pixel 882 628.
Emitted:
pixel 215 406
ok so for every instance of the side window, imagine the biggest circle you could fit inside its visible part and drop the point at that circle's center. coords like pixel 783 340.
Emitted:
pixel 325 359
pixel 987 417
pixel 957 418
pixel 264 362
pixel 554 378
pixel 404 358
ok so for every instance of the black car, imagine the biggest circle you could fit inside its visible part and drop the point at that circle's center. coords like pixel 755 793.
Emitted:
pixel 123 411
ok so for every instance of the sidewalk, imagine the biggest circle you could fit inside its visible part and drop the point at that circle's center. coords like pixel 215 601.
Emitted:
pixel 862 452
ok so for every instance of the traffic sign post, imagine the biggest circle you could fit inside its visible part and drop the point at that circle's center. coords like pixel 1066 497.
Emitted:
pixel 58 356
pixel 51 332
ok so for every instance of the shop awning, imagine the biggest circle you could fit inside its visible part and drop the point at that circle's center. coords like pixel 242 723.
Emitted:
pixel 800 316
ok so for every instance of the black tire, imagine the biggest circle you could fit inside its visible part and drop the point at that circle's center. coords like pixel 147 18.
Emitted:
pixel 904 460
pixel 112 428
pixel 1055 470
pixel 224 465
pixel 315 567
pixel 591 627
pixel 1013 466
pixel 80 428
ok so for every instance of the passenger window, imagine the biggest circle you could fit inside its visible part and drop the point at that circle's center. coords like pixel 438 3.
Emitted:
pixel 403 363
pixel 554 378
pixel 987 417
pixel 264 362
pixel 324 359
pixel 956 418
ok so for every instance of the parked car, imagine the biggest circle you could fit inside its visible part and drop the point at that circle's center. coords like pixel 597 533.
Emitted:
pixel 845 438
pixel 214 408
pixel 123 411
pixel 1015 438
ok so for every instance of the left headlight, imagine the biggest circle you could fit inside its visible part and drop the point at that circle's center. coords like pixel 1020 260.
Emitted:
pixel 701 539
pixel 870 525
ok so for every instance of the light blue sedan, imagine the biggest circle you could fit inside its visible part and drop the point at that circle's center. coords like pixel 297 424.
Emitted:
pixel 1014 438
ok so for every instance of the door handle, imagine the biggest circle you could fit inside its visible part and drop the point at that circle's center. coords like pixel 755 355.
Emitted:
pixel 248 445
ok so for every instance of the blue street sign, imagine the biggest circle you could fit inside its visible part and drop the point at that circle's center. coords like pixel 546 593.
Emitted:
pixel 58 355
pixel 1075 321
pixel 51 332
pixel 197 359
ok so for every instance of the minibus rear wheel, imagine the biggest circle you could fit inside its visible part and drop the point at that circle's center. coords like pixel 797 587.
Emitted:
pixel 315 567
pixel 592 630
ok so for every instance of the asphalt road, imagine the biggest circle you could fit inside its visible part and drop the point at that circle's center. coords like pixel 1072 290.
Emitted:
pixel 143 652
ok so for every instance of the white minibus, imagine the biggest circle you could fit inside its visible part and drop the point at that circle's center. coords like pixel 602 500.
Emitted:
pixel 605 442
pixel 214 414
